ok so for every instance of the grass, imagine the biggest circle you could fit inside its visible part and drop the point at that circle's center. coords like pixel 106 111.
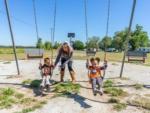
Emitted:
pixel 8 91
pixel 27 101
pixel 10 50
pixel 119 106
pixel 138 86
pixel 7 62
pixel 7 54
pixel 115 91
pixel 108 83
pixel 113 100
pixel 19 95
pixel 27 82
pixel 67 88
pixel 10 97
pixel 7 97
pixel 32 83
pixel 114 64
pixel 140 101
pixel 33 108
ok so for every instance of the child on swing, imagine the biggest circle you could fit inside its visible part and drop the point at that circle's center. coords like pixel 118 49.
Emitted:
pixel 95 75
pixel 46 70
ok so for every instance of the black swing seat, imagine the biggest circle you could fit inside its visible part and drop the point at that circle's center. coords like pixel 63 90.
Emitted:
pixel 34 53
pixel 91 52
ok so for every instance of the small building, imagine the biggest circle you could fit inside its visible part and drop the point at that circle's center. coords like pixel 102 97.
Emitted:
pixel 144 49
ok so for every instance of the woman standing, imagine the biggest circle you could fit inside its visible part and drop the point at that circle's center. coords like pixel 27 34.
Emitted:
pixel 65 54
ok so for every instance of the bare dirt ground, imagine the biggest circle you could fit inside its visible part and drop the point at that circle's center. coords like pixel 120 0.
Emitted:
pixel 84 102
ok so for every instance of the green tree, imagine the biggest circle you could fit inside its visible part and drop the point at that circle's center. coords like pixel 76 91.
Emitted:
pixel 93 42
pixel 56 45
pixel 119 39
pixel 39 43
pixel 106 42
pixel 78 45
pixel 139 38
pixel 148 44
pixel 47 45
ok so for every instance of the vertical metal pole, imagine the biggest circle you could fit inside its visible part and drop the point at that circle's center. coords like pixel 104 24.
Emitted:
pixel 86 20
pixel 12 36
pixel 35 20
pixel 54 22
pixel 127 37
pixel 108 15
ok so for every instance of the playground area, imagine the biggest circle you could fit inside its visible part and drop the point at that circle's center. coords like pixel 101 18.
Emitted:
pixel 107 56
pixel 135 82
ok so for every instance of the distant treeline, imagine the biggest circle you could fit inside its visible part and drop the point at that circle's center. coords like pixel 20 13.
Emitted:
pixel 8 46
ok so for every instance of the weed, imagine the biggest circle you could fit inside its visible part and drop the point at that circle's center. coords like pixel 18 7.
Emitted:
pixel 27 101
pixel 67 87
pixel 138 86
pixel 19 95
pixel 26 82
pixel 6 102
pixel 115 91
pixel 108 83
pixel 120 106
pixel 113 100
pixel 7 62
pixel 140 101
pixel 8 91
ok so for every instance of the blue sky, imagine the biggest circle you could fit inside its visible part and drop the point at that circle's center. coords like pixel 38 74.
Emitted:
pixel 70 18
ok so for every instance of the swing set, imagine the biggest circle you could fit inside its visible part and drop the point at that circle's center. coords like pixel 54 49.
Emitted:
pixel 89 51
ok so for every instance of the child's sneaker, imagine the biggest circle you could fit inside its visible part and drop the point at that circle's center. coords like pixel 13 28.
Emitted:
pixel 101 92
pixel 95 93
pixel 48 88
pixel 41 90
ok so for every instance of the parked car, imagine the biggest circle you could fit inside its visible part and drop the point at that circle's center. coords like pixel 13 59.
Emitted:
pixel 110 50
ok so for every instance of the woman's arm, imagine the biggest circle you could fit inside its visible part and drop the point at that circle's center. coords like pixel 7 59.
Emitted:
pixel 58 57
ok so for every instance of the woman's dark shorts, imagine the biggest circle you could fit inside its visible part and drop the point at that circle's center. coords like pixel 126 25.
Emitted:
pixel 63 60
